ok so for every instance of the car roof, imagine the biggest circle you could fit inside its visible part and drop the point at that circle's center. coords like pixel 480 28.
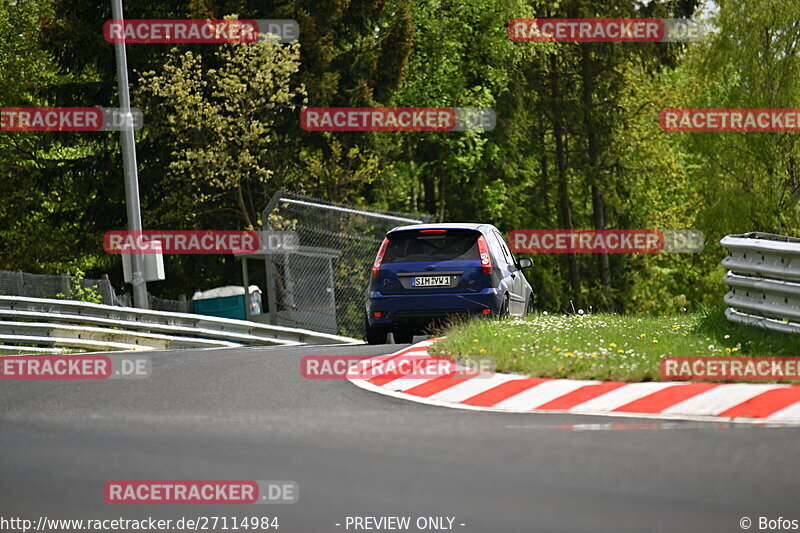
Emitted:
pixel 444 225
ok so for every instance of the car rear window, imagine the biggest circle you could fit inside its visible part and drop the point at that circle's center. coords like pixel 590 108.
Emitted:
pixel 409 247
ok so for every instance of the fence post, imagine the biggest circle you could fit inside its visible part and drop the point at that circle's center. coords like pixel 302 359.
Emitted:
pixel 66 282
pixel 271 285
pixel 20 284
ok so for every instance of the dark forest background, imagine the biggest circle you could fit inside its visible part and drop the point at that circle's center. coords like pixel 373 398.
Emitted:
pixel 577 142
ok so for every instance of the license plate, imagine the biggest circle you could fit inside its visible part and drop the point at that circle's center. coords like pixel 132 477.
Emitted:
pixel 431 281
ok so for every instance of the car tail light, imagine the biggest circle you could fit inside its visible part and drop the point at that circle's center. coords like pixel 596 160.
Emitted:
pixel 486 259
pixel 486 311
pixel 376 267
pixel 433 231
pixel 377 314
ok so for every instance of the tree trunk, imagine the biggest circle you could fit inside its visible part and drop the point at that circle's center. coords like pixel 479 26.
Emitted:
pixel 248 222
pixel 429 192
pixel 412 166
pixel 544 184
pixel 564 204
pixel 442 196
pixel 598 200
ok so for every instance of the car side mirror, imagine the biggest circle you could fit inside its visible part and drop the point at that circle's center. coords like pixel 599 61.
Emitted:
pixel 525 262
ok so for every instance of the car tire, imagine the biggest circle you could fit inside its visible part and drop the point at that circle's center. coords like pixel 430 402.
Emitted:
pixel 375 334
pixel 403 336
pixel 504 309
pixel 529 308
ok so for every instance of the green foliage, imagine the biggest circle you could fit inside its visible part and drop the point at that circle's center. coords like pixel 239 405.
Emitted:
pixel 577 141
pixel 51 195
pixel 80 293
pixel 220 123
pixel 750 181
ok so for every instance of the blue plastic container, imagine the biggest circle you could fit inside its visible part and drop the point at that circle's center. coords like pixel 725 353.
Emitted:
pixel 228 306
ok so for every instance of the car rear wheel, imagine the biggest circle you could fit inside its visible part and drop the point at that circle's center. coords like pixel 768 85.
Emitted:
pixel 403 336
pixel 375 334
pixel 504 309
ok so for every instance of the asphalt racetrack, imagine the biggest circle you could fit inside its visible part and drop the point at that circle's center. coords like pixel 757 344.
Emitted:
pixel 248 414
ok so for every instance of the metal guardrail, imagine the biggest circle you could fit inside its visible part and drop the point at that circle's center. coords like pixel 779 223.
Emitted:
pixel 42 321
pixel 764 280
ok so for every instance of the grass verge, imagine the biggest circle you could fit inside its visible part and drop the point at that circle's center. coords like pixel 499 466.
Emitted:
pixel 606 346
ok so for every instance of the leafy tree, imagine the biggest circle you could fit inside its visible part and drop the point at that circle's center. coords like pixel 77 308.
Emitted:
pixel 221 124
pixel 750 181
pixel 462 57
pixel 49 194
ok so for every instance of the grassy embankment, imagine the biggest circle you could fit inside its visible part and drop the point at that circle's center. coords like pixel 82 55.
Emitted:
pixel 606 346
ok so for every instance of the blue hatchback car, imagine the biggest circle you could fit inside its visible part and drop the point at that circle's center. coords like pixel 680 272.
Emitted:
pixel 427 273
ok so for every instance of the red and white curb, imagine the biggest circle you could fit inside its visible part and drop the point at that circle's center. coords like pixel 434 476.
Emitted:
pixel 510 393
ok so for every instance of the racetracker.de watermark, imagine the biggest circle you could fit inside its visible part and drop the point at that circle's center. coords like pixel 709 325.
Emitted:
pixel 605 30
pixel 406 367
pixel 200 492
pixel 149 31
pixel 730 120
pixel 530 241
pixel 200 242
pixel 75 367
pixel 730 368
pixel 397 119
pixel 69 119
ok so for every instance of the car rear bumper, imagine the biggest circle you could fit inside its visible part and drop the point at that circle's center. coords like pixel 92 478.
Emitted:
pixel 420 309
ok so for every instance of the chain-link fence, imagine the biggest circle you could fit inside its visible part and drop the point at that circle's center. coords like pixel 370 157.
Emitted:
pixel 321 284
pixel 65 287
pixel 163 304
pixel 56 286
